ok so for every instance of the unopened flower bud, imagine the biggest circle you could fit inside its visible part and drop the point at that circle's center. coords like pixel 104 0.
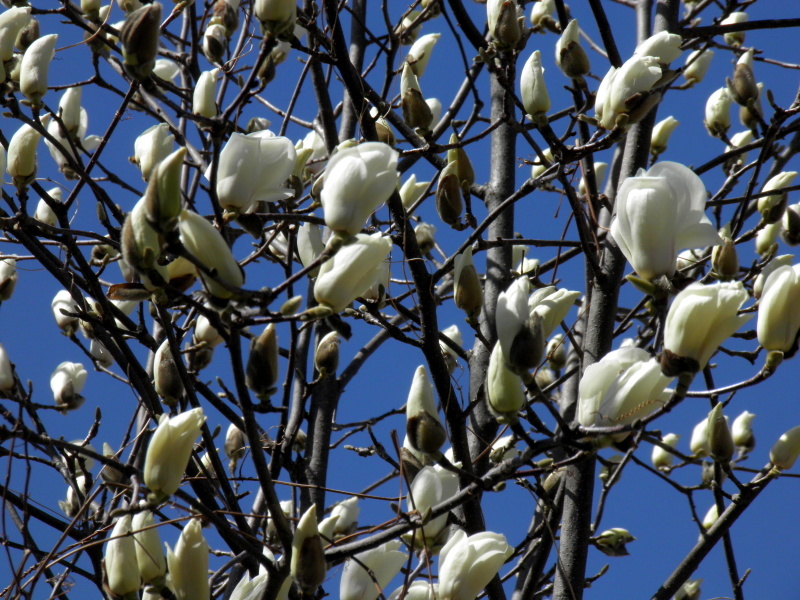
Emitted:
pixel 262 365
pixel 277 17
pixel 570 56
pixel 326 358
pixel 167 377
pixel 21 161
pixel 557 352
pixel 720 442
pixel 506 26
pixel 533 90
pixel 612 541
pixel 163 195
pixel 234 446
pixel 724 259
pixel 204 97
pixel 773 206
pixel 423 426
pixel 710 517
pixel 698 443
pixel 467 290
pixel 528 346
pixel 215 42
pixel 416 112
pixel 743 86
pixel 7 379
pixel 449 202
pixel 791 226
pixel 504 394
pixel 734 38
pixel 8 278
pixel 420 53
pixel 662 459
pixel 140 36
pixel 718 112
pixel 457 155
pixel 742 432
pixel 661 133
pixel 753 114
pixel 120 556
pixel 425 238
pixel 308 564
pixel 35 66
pixel 697 64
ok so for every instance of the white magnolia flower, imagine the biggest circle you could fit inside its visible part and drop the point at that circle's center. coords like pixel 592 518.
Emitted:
pixel 66 382
pixel 120 559
pixel 253 168
pixel 35 67
pixel 625 385
pixel 206 244
pixel 357 181
pixel 700 319
pixel 420 52
pixel 533 89
pixel 665 46
pixel 188 563
pixel 431 486
pixel 623 90
pixel 468 564
pixel 151 147
pixel 351 271
pixel 659 213
pixel 169 451
pixel 697 64
pixel 152 563
pixel 384 562
pixel 779 309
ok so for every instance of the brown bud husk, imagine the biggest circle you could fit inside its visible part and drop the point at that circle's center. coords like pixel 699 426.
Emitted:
pixel 416 112
pixel 469 293
pixel 673 365
pixel 574 61
pixel 449 202
pixel 527 349
pixel 262 364
pixel 140 36
pixel 725 260
pixel 743 87
pixel 466 174
pixel 720 440
pixel 312 567
pixel 508 30
pixel 326 359
pixel 425 433
pixel 167 377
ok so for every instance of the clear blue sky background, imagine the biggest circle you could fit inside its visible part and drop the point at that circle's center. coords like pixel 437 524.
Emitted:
pixel 765 538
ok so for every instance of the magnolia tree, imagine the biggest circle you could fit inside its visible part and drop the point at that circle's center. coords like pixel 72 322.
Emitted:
pixel 382 308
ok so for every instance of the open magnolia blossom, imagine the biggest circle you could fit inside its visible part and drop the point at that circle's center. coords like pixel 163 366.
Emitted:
pixel 356 182
pixel 67 382
pixel 253 168
pixel 659 213
pixel 664 46
pixel 627 384
pixel 700 318
pixel 468 564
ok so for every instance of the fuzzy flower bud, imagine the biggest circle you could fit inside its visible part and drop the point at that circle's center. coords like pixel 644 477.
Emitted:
pixel 308 559
pixel 742 432
pixel 262 364
pixel 467 290
pixel 720 441
pixel 504 394
pixel 140 37
pixel 773 206
pixel 167 378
